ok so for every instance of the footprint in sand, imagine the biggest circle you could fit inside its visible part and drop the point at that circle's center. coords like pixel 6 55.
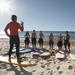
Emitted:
pixel 54 62
pixel 60 72
pixel 68 61
pixel 48 68
pixel 70 67
pixel 42 73
pixel 43 66
pixel 33 70
pixel 51 72
pixel 58 67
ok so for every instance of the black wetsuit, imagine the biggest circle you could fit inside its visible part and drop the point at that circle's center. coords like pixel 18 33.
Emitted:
pixel 60 44
pixel 51 43
pixel 14 40
pixel 27 41
pixel 34 42
pixel 67 43
pixel 40 42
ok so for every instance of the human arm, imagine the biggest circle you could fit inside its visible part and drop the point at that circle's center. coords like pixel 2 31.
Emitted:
pixel 6 30
pixel 20 26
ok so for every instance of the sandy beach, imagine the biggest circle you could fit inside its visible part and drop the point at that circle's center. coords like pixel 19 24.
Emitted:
pixel 48 66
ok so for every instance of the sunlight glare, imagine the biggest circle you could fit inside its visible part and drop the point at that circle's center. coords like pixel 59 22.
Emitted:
pixel 5 6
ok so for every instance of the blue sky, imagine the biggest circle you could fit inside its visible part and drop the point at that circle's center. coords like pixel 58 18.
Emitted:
pixel 49 15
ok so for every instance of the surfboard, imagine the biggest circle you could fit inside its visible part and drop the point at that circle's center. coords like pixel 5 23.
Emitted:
pixel 38 52
pixel 72 55
pixel 21 51
pixel 45 54
pixel 13 51
pixel 60 55
pixel 26 51
pixel 14 61
pixel 42 53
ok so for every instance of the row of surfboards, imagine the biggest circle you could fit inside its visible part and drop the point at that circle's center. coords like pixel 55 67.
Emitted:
pixel 43 53
pixel 60 54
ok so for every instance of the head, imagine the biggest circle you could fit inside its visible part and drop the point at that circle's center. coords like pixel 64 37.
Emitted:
pixel 60 34
pixel 66 32
pixel 51 33
pixel 33 31
pixel 14 18
pixel 27 33
pixel 40 31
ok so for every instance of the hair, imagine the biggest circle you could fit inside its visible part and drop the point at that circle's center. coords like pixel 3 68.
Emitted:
pixel 14 17
pixel 67 32
pixel 27 33
pixel 60 34
pixel 51 34
pixel 33 30
pixel 40 31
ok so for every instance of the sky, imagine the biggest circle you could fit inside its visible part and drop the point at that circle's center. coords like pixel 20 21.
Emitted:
pixel 45 15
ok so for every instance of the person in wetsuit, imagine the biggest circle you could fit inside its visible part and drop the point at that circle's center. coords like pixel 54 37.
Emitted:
pixel 33 38
pixel 27 41
pixel 67 41
pixel 51 42
pixel 40 41
pixel 60 41
pixel 13 27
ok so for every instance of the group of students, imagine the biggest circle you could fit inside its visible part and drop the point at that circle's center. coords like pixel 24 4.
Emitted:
pixel 14 26
pixel 51 40
pixel 33 39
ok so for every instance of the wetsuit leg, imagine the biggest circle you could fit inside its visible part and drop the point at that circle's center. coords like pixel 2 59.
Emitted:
pixel 65 44
pixel 59 44
pixel 52 44
pixel 25 42
pixel 11 46
pixel 34 42
pixel 42 43
pixel 69 46
pixel 39 43
pixel 17 44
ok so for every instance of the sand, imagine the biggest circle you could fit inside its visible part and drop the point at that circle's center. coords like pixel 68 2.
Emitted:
pixel 44 66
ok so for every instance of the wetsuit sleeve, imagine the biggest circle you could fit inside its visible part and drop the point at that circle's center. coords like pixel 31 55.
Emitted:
pixel 21 27
pixel 6 30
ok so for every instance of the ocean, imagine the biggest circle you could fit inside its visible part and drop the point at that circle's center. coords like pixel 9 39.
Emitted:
pixel 46 34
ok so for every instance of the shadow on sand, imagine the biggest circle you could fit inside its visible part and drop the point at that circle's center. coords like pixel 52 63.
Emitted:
pixel 21 72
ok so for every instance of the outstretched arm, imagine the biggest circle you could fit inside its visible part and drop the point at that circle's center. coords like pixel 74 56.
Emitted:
pixel 21 26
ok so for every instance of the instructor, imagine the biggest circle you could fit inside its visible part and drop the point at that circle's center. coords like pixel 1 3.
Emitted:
pixel 13 27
